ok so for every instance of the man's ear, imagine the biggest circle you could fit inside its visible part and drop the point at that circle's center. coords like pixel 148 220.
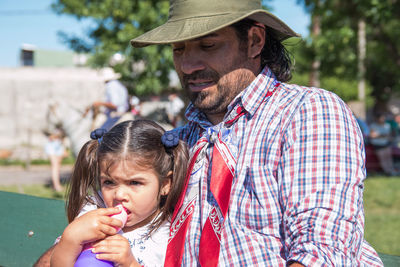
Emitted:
pixel 166 185
pixel 256 40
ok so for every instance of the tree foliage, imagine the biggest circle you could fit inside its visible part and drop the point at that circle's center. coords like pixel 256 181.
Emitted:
pixel 336 46
pixel 113 24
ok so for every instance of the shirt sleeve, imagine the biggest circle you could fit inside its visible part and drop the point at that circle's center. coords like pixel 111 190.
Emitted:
pixel 322 171
pixel 86 208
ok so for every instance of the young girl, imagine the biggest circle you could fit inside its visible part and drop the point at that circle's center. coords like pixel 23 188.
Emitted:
pixel 136 164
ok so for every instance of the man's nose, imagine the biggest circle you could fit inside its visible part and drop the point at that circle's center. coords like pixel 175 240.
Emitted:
pixel 191 61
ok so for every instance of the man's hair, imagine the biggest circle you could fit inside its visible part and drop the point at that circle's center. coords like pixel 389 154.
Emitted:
pixel 273 54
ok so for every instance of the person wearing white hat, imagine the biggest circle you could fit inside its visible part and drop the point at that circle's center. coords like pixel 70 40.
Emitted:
pixel 116 98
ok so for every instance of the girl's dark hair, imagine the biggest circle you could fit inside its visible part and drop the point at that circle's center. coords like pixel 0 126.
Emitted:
pixel 138 140
pixel 273 54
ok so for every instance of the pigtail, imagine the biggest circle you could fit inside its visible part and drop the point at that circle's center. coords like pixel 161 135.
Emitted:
pixel 83 180
pixel 181 161
pixel 180 157
pixel 174 157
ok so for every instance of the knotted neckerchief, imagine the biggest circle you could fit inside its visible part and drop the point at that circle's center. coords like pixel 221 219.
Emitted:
pixel 222 173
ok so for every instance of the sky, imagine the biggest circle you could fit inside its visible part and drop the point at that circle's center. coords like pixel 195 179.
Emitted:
pixel 33 22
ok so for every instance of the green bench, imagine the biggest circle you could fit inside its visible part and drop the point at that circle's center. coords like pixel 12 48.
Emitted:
pixel 29 226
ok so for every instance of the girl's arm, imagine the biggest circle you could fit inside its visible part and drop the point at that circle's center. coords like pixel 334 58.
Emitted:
pixel 92 226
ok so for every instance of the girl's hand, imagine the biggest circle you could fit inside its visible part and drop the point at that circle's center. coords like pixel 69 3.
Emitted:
pixel 92 226
pixel 115 248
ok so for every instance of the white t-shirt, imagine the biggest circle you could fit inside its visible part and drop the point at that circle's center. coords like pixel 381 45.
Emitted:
pixel 148 251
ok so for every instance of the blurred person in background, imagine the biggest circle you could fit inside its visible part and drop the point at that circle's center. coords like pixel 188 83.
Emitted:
pixel 134 103
pixel 381 139
pixel 395 124
pixel 116 99
pixel 364 129
pixel 174 108
pixel 55 151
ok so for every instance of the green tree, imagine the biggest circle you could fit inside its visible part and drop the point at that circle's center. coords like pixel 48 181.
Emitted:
pixel 338 45
pixel 113 24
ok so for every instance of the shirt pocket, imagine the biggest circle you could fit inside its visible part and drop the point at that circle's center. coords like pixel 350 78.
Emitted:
pixel 257 199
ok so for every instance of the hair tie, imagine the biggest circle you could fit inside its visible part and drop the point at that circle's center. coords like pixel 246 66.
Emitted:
pixel 98 134
pixel 170 139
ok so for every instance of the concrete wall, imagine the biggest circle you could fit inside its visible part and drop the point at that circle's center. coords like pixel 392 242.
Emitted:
pixel 25 94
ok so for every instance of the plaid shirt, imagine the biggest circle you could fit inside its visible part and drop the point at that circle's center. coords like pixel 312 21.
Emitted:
pixel 298 185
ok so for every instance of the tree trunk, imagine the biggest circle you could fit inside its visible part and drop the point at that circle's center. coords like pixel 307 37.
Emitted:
pixel 316 63
pixel 361 64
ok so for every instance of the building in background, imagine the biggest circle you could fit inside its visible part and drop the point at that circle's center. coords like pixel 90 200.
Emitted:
pixel 32 56
pixel 44 77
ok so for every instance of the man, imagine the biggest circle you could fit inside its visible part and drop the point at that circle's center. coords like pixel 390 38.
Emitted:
pixel 381 139
pixel 116 98
pixel 277 170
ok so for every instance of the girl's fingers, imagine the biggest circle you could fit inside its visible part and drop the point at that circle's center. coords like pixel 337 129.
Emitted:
pixel 116 223
pixel 111 241
pixel 114 248
pixel 107 229
pixel 108 211
pixel 111 244
pixel 117 259
pixel 107 257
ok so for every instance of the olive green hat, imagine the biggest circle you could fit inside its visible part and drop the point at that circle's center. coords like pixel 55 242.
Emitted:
pixel 189 19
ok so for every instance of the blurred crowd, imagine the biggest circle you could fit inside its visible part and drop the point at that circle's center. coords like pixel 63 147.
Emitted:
pixel 382 141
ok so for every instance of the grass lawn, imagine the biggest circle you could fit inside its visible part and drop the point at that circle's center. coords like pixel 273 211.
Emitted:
pixel 381 204
pixel 382 213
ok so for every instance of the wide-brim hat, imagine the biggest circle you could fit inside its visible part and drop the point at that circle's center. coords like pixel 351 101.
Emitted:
pixel 190 19
pixel 108 74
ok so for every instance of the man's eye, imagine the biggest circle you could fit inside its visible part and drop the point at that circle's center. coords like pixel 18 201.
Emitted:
pixel 207 46
pixel 177 49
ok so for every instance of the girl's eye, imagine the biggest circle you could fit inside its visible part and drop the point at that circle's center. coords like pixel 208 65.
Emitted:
pixel 107 182
pixel 135 183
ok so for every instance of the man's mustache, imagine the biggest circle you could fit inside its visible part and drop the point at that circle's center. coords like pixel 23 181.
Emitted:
pixel 201 75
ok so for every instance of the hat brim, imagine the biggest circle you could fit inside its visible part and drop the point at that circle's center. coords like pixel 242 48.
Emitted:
pixel 190 28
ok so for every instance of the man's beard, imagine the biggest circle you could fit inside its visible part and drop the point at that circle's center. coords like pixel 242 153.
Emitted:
pixel 216 102
pixel 214 107
pixel 199 99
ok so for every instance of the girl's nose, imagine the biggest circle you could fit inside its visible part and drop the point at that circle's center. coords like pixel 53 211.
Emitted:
pixel 121 193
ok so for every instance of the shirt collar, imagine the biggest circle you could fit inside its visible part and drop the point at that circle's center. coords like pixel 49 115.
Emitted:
pixel 250 99
pixel 257 92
